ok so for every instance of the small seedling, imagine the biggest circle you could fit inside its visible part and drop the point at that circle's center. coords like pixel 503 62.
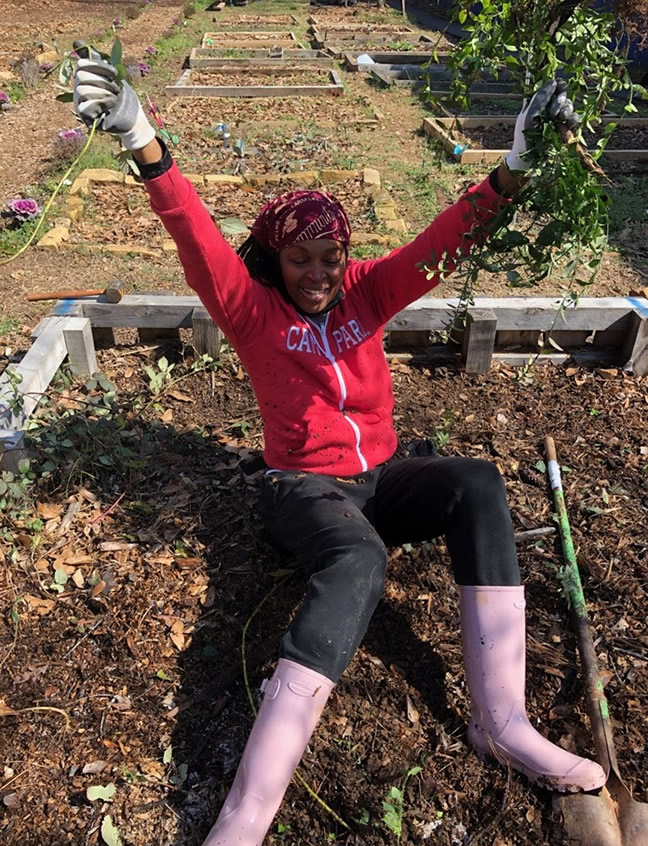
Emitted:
pixel 393 806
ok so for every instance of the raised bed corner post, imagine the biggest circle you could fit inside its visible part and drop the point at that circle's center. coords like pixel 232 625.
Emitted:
pixel 77 333
pixel 206 334
pixel 635 351
pixel 479 340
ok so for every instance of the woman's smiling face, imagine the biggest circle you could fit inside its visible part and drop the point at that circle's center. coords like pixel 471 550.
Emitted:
pixel 313 272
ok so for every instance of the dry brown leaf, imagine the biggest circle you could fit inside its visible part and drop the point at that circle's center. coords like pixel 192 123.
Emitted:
pixel 608 372
pixel 177 635
pixel 86 494
pixel 5 710
pixel 469 418
pixel 40 606
pixel 152 768
pixel 412 713
pixel 78 578
pixel 180 396
pixel 188 563
pixel 79 558
pixel 98 588
pixel 167 417
pixel 48 510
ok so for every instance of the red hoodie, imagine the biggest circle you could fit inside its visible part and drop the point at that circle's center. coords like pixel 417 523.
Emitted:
pixel 324 390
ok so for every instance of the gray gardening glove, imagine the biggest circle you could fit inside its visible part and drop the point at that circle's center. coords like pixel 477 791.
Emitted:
pixel 97 94
pixel 552 98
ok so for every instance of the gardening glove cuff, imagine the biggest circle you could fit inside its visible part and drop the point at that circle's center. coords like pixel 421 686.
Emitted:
pixel 552 99
pixel 99 96
pixel 151 171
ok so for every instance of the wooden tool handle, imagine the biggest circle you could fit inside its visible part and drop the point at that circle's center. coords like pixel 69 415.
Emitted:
pixel 550 449
pixel 64 295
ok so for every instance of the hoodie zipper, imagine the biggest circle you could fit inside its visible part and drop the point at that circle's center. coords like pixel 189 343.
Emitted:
pixel 326 350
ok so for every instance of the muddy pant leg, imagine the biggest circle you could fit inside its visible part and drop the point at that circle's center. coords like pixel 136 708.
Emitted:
pixel 463 499
pixel 321 522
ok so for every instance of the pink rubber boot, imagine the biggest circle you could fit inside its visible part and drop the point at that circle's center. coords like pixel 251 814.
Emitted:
pixel 292 703
pixel 493 636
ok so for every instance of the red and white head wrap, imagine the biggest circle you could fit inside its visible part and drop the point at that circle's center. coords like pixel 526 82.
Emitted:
pixel 301 216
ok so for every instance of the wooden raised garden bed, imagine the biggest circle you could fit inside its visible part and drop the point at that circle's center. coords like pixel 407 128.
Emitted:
pixel 436 77
pixel 349 40
pixel 392 58
pixel 228 38
pixel 116 218
pixel 467 138
pixel 250 22
pixel 259 81
pixel 209 57
pixel 191 115
pixel 622 323
pixel 353 31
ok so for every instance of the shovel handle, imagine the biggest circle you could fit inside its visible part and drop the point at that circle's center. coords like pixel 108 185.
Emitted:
pixel 573 587
pixel 64 295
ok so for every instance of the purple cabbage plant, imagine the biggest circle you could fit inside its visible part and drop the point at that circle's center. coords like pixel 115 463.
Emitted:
pixel 21 210
pixel 4 100
pixel 68 143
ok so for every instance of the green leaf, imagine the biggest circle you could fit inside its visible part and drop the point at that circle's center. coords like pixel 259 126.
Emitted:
pixel 60 577
pixel 232 226
pixel 109 833
pixel 162 675
pixel 168 755
pixel 97 791
pixel 540 466
pixel 116 54
pixel 550 234
pixel 66 97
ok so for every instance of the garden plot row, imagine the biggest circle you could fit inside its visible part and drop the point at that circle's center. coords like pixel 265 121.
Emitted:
pixel 209 57
pixel 233 39
pixel 108 212
pixel 253 22
pixel 484 139
pixel 620 323
pixel 279 79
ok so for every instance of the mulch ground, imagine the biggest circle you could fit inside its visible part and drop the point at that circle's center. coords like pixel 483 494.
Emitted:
pixel 125 611
pixel 128 578
pixel 246 77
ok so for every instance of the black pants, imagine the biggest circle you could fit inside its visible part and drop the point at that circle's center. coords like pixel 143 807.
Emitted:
pixel 338 527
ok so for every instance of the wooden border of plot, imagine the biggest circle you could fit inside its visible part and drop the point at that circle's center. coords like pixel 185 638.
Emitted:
pixel 255 20
pixel 210 57
pixel 184 88
pixel 392 57
pixel 458 146
pixel 68 333
pixel 231 39
pixel 344 44
pixel 414 76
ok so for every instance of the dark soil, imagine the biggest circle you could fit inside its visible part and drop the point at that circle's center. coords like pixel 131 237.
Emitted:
pixel 166 562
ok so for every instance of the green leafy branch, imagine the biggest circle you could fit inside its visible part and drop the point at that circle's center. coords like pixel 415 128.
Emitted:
pixel 557 224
